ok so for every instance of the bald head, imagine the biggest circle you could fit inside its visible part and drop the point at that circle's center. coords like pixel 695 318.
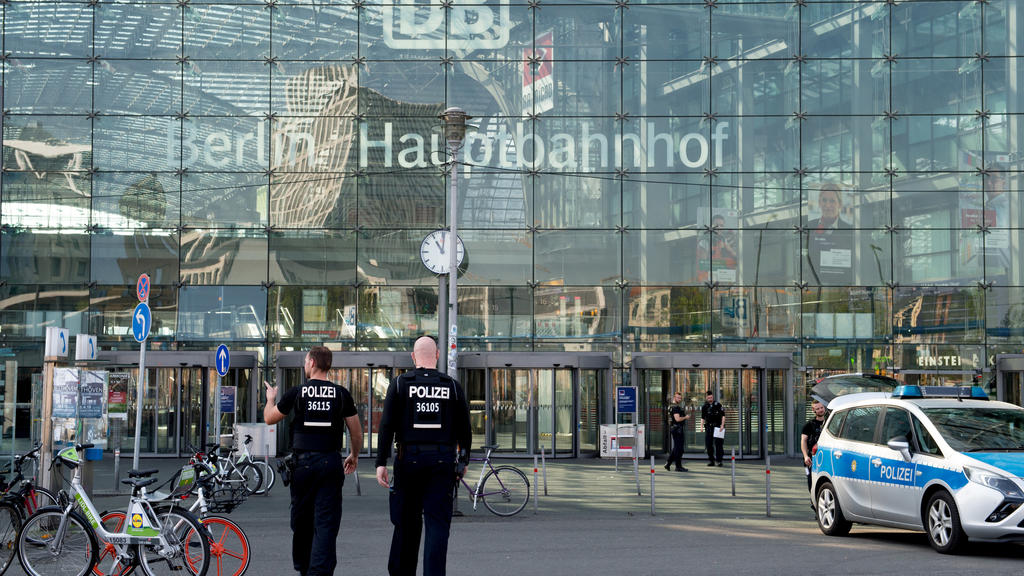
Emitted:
pixel 424 352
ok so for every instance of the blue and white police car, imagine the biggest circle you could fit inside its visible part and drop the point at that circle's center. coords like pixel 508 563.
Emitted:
pixel 942 459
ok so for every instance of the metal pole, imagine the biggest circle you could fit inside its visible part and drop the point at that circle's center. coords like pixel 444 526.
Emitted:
pixel 768 484
pixel 544 469
pixel 453 262
pixel 46 430
pixel 636 466
pixel 535 485
pixel 652 485
pixel 140 387
pixel 733 471
pixel 442 318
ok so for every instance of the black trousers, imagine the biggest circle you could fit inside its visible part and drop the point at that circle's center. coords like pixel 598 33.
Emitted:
pixel 424 481
pixel 316 512
pixel 678 442
pixel 714 446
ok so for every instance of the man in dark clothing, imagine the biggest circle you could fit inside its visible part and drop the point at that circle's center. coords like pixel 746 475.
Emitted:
pixel 809 437
pixel 427 416
pixel 676 418
pixel 322 411
pixel 713 416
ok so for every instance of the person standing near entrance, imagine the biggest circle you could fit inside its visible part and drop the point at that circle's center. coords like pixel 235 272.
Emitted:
pixel 809 437
pixel 427 416
pixel 676 417
pixel 713 416
pixel 322 411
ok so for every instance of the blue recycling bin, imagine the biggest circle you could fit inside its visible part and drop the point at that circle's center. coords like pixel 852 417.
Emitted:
pixel 91 456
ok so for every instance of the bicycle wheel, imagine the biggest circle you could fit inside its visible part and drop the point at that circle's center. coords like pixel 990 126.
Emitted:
pixel 112 522
pixel 505 491
pixel 75 554
pixel 269 476
pixel 39 498
pixel 249 475
pixel 229 546
pixel 188 550
pixel 10 525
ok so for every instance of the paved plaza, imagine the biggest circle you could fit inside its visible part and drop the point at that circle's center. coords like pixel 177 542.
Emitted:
pixel 593 522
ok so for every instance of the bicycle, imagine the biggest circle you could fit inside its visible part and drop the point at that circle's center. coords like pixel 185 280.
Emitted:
pixel 269 475
pixel 230 471
pixel 229 545
pixel 19 499
pixel 62 539
pixel 510 495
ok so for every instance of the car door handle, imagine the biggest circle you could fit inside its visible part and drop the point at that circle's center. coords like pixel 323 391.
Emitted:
pixel 877 462
pixel 838 453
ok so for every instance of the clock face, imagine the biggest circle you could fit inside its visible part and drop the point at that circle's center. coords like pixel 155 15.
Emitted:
pixel 434 252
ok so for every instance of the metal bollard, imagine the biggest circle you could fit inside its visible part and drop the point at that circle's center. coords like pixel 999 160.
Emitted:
pixel 636 470
pixel 652 485
pixel 117 470
pixel 544 468
pixel 535 496
pixel 768 484
pixel 733 471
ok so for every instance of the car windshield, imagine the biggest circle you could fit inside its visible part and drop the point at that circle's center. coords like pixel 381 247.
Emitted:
pixel 980 429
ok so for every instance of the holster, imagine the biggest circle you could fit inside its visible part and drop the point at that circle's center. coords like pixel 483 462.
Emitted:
pixel 286 467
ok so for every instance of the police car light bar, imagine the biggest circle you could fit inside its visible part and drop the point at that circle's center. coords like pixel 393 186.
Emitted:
pixel 911 391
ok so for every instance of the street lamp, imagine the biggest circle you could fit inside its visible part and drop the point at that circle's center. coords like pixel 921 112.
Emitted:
pixel 454 131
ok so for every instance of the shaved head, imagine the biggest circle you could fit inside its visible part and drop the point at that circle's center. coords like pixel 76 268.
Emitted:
pixel 424 352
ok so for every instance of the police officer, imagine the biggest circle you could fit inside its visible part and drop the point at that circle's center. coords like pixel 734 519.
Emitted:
pixel 713 416
pixel 809 437
pixel 675 422
pixel 322 410
pixel 427 415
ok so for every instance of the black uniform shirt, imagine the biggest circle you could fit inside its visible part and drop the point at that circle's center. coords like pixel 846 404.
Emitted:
pixel 712 414
pixel 813 431
pixel 673 425
pixel 424 406
pixel 320 411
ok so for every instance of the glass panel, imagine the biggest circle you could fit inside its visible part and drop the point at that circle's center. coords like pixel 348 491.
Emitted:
pixel 545 396
pixel 668 314
pixel 225 31
pixel 775 411
pixel 127 200
pixel 662 257
pixel 216 257
pixel 39 257
pixel 120 256
pixel 222 313
pixel 475 383
pixel 937 29
pixel 312 257
pixel 112 306
pixel 224 200
pixel 564 412
pixel 1004 315
pixel 513 408
pixel 27 310
pixel 48 28
pixel 315 32
pixel 496 257
pixel 494 314
pixel 577 257
pixel 357 382
pixel 143 32
pixel 939 314
pixel 576 312
pixel 692 384
pixel 589 410
pixel 29 86
pixel 572 202
pixel 390 313
pixel 846 312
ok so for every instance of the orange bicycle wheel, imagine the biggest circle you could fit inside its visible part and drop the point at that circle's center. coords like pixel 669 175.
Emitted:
pixel 229 547
pixel 112 522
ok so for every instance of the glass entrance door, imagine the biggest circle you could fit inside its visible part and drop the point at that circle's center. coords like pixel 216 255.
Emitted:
pixel 513 409
pixel 368 387
pixel 535 408
pixel 1012 383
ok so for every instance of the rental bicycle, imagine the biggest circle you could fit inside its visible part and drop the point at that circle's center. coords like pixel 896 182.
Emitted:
pixel 241 472
pixel 269 475
pixel 229 546
pixel 504 490
pixel 62 539
pixel 19 498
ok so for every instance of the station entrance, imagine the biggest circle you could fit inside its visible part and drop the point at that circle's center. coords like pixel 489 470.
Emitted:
pixel 180 404
pixel 754 388
pixel 1009 382
pixel 521 401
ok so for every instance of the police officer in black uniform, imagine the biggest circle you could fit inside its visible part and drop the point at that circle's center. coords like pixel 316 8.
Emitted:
pixel 322 410
pixel 676 418
pixel 427 415
pixel 713 416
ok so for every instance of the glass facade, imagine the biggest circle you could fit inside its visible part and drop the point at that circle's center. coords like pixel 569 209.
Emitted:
pixel 839 179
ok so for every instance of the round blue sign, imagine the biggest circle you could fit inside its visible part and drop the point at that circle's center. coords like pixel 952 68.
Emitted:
pixel 223 360
pixel 142 321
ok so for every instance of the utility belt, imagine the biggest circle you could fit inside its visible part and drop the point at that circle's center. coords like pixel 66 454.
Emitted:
pixel 404 449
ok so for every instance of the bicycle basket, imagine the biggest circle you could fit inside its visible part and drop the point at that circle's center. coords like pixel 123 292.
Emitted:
pixel 224 499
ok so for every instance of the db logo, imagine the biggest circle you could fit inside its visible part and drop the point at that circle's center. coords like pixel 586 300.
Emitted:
pixel 420 25
pixel 136 520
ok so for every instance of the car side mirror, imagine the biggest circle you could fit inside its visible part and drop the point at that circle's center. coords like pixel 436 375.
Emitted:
pixel 901 445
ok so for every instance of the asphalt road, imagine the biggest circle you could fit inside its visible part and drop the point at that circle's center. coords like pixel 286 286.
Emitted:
pixel 593 522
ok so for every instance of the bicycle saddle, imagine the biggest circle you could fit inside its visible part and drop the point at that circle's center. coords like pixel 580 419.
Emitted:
pixel 491 447
pixel 141 473
pixel 139 483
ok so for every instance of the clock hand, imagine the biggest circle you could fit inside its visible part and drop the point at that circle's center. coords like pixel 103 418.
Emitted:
pixel 440 246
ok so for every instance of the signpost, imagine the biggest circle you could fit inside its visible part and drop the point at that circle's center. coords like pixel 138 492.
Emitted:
pixel 142 321
pixel 223 360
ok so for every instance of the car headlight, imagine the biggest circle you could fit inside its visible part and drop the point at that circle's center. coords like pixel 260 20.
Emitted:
pixel 995 481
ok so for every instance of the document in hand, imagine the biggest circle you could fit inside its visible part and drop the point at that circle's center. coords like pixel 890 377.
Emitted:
pixel 720 432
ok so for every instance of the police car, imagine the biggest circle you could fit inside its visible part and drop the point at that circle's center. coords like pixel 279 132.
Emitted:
pixel 945 460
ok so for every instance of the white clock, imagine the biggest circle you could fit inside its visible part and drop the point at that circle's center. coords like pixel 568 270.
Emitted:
pixel 434 252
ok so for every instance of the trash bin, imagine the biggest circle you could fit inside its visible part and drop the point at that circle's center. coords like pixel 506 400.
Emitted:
pixel 92 455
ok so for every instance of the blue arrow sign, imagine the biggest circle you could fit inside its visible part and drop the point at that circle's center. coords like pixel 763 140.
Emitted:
pixel 142 320
pixel 223 360
pixel 63 343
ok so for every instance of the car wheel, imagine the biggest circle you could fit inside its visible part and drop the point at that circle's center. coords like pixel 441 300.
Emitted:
pixel 942 523
pixel 830 516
